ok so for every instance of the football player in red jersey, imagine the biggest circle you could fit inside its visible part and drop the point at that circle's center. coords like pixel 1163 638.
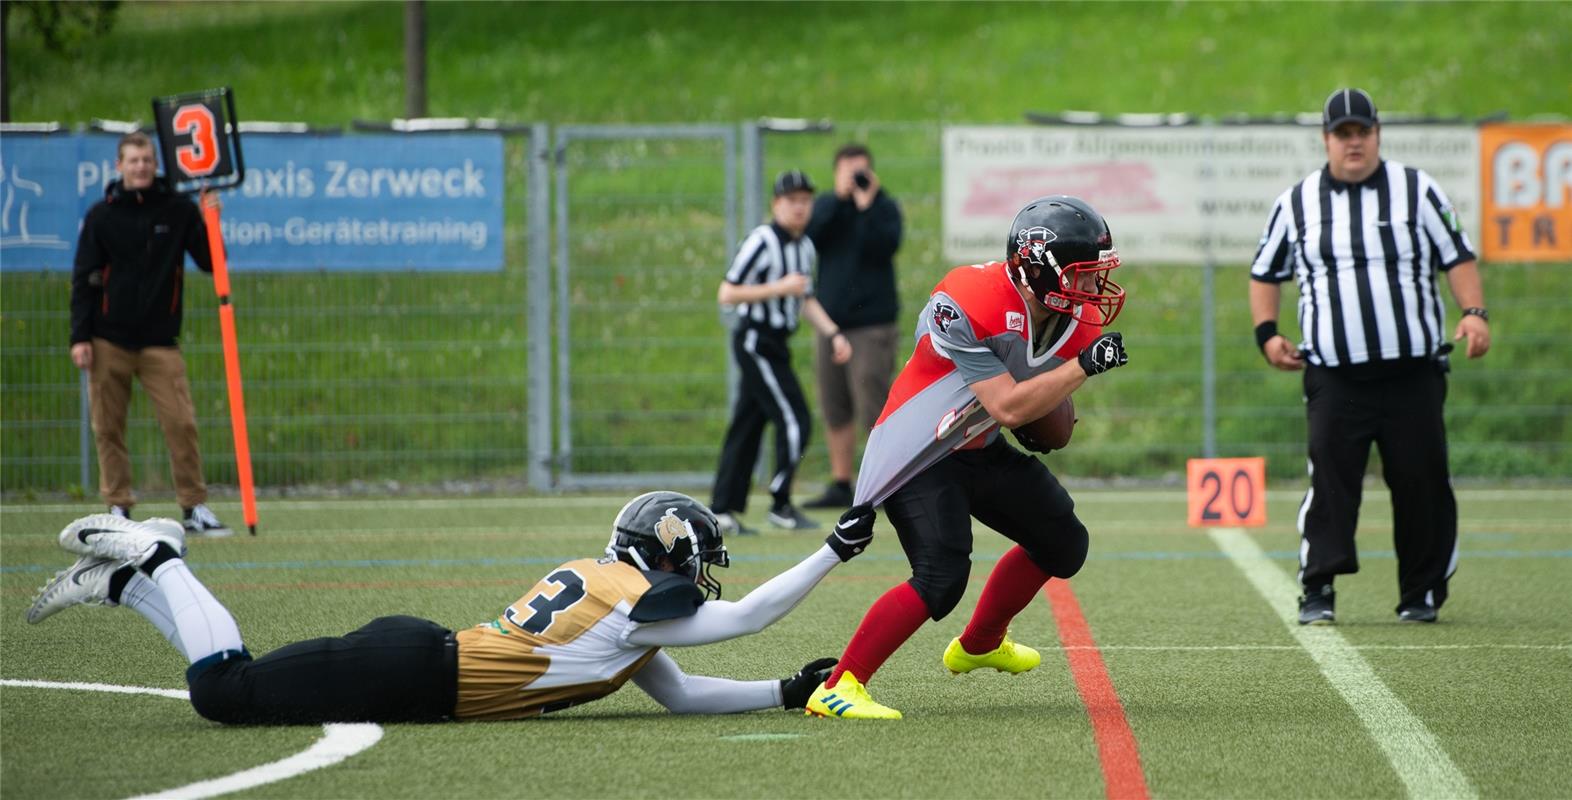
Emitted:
pixel 1001 343
pixel 578 634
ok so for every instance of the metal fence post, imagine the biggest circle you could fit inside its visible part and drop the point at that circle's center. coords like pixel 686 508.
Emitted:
pixel 564 444
pixel 1209 308
pixel 538 305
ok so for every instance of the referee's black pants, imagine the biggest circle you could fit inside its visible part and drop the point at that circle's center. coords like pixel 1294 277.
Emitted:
pixel 1398 406
pixel 768 394
pixel 392 669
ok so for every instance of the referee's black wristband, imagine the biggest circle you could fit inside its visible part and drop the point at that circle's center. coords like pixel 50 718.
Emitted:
pixel 1264 333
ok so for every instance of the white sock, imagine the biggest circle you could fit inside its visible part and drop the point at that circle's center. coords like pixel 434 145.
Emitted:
pixel 204 624
pixel 142 596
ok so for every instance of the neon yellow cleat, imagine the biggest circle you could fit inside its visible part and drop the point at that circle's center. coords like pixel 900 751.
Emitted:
pixel 848 700
pixel 1009 657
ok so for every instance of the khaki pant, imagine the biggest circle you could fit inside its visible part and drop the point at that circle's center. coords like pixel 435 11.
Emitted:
pixel 162 371
pixel 857 389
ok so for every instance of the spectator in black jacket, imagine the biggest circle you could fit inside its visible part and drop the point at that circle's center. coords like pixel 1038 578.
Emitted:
pixel 856 228
pixel 126 294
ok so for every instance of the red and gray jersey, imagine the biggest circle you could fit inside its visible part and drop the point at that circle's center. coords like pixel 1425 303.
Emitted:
pixel 975 326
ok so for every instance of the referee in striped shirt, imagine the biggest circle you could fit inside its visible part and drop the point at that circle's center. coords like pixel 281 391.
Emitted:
pixel 1364 239
pixel 771 283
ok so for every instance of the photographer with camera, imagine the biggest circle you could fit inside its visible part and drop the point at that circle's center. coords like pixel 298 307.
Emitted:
pixel 856 229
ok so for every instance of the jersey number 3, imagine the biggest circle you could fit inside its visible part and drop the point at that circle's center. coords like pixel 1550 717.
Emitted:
pixel 546 608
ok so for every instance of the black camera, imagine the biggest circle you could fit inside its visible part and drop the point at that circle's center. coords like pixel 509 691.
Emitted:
pixel 860 177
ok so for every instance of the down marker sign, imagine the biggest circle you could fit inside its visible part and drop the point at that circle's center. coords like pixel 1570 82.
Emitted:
pixel 1226 492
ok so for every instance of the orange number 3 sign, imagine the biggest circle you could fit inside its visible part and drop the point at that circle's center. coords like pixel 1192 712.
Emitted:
pixel 1228 492
pixel 200 157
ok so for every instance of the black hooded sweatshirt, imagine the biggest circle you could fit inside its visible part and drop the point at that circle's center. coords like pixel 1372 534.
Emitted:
pixel 127 282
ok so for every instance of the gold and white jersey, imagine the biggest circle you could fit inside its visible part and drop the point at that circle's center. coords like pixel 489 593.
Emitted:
pixel 565 641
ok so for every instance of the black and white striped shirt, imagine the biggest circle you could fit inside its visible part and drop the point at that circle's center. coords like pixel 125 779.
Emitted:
pixel 1365 257
pixel 769 254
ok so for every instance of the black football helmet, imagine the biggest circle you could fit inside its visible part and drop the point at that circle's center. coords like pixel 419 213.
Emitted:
pixel 1053 241
pixel 671 526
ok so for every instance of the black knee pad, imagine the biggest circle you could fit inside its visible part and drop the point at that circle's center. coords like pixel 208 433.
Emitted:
pixel 941 594
pixel 1062 554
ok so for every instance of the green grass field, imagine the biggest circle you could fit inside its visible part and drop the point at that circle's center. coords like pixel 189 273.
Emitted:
pixel 1221 698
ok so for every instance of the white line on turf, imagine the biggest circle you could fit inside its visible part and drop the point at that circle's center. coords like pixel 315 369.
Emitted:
pixel 1418 759
pixel 338 742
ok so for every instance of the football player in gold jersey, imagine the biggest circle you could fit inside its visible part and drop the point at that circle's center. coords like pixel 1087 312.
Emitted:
pixel 578 634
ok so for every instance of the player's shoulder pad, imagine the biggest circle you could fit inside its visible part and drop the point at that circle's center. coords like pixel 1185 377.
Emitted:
pixel 985 295
pixel 670 596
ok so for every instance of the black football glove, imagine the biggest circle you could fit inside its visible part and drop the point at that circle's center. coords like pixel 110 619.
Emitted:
pixel 853 533
pixel 796 690
pixel 1103 354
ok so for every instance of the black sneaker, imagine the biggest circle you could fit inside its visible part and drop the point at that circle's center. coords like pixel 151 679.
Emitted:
pixel 789 518
pixel 836 495
pixel 1318 606
pixel 1416 614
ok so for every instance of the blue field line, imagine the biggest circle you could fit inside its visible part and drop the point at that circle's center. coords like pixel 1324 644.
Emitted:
pixel 1133 555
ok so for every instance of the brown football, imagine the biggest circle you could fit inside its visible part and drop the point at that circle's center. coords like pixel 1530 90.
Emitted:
pixel 1050 431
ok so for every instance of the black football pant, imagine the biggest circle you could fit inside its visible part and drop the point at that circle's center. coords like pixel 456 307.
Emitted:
pixel 394 669
pixel 768 394
pixel 1398 406
pixel 1003 488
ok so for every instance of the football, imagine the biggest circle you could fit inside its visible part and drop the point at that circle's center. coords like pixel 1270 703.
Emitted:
pixel 1050 431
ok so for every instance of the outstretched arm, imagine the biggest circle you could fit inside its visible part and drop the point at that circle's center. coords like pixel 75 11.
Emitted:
pixel 681 693
pixel 717 620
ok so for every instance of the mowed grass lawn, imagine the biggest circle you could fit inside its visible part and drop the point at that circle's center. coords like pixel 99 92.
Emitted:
pixel 1222 699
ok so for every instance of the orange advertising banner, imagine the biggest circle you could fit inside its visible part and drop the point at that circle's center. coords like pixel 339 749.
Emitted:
pixel 1526 198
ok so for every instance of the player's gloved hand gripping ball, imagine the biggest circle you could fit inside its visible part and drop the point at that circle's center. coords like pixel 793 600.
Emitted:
pixel 852 534
pixel 796 690
pixel 1103 354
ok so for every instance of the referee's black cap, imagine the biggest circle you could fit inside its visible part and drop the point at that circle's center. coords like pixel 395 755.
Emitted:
pixel 1349 105
pixel 792 180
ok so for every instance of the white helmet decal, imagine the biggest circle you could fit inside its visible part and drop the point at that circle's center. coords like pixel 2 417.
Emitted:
pixel 1033 243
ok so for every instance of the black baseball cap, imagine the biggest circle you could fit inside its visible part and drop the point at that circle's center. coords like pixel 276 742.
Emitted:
pixel 1349 105
pixel 792 180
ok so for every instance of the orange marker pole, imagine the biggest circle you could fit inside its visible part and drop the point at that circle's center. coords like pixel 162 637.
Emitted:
pixel 226 326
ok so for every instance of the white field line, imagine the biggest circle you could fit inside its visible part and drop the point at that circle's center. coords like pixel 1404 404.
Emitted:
pixel 338 742
pixel 1418 759
pixel 1083 495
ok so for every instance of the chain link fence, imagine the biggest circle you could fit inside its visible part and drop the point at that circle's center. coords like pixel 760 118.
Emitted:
pixel 609 367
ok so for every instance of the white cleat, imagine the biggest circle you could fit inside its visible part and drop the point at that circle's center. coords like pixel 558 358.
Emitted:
pixel 201 521
pixel 117 538
pixel 86 581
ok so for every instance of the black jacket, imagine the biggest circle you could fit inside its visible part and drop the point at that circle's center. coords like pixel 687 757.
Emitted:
pixel 856 279
pixel 127 282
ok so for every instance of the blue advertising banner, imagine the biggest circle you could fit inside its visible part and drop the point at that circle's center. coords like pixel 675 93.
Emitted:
pixel 431 201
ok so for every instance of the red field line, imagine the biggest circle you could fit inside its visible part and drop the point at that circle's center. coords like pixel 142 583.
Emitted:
pixel 1116 748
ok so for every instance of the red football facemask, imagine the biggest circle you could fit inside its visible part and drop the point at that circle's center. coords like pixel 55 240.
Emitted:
pixel 1072 288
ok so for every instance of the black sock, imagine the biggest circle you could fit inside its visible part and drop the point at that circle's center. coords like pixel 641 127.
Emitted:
pixel 844 486
pixel 163 552
pixel 118 581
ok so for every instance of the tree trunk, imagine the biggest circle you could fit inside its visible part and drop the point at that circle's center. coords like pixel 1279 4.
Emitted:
pixel 414 58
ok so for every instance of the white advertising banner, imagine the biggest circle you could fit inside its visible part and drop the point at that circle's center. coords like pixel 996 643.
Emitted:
pixel 1181 194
